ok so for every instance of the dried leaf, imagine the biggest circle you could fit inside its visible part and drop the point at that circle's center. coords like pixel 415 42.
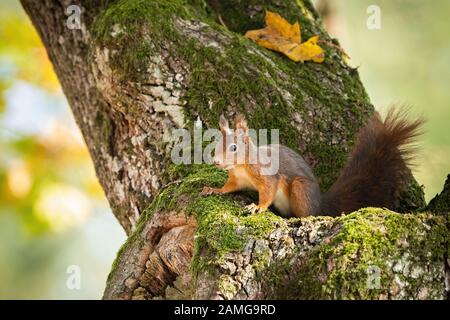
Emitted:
pixel 308 50
pixel 279 35
pixel 284 28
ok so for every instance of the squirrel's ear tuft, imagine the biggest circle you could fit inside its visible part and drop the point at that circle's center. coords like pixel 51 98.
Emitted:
pixel 223 123
pixel 241 123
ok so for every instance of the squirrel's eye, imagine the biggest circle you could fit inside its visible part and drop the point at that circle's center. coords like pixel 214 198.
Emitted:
pixel 232 148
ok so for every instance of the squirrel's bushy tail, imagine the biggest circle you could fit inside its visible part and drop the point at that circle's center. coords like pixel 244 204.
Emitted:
pixel 377 169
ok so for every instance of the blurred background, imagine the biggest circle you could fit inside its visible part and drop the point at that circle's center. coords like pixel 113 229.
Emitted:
pixel 406 61
pixel 53 214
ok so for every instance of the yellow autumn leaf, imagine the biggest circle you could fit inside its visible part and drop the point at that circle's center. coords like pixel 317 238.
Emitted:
pixel 285 29
pixel 281 36
pixel 308 50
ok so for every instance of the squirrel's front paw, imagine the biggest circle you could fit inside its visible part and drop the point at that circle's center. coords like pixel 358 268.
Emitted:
pixel 254 208
pixel 207 191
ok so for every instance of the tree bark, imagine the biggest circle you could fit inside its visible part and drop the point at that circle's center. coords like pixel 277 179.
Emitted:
pixel 138 69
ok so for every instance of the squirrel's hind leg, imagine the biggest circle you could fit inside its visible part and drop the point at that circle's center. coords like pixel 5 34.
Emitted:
pixel 298 198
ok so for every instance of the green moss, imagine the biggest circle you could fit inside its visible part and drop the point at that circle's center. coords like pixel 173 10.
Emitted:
pixel 190 185
pixel 218 218
pixel 412 199
pixel 441 202
pixel 330 162
pixel 364 240
pixel 223 227
pixel 139 25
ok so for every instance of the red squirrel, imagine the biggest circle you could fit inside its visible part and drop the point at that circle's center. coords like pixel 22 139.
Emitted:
pixel 375 174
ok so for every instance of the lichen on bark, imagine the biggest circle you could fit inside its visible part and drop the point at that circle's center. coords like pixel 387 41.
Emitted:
pixel 374 254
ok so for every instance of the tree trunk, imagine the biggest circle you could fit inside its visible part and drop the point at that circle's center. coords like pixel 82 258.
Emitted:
pixel 138 69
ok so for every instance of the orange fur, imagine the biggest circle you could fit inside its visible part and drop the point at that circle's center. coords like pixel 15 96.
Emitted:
pixel 265 186
pixel 297 197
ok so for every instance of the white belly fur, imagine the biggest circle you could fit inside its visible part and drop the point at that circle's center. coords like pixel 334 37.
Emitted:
pixel 281 202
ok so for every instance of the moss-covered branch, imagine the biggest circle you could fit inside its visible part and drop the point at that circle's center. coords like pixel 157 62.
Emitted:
pixel 441 202
pixel 370 254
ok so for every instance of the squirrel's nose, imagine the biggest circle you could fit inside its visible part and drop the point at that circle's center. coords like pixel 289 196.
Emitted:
pixel 216 161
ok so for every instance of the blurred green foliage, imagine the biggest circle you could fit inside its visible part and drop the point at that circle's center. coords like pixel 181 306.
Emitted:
pixel 31 163
pixel 53 213
pixel 22 55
